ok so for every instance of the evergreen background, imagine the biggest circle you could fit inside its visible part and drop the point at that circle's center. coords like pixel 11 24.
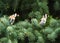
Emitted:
pixel 26 28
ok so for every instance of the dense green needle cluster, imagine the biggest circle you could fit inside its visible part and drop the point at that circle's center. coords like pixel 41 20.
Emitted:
pixel 27 29
pixel 34 32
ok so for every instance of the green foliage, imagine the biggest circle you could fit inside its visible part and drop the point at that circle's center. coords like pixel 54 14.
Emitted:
pixel 48 30
pixel 57 30
pixel 34 21
pixel 35 24
pixel 54 23
pixel 57 5
pixel 40 40
pixel 3 40
pixel 24 24
pixel 6 40
pixel 35 14
pixel 52 36
pixel 31 30
pixel 21 35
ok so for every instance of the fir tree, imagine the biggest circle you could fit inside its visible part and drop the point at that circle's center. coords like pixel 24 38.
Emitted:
pixel 28 30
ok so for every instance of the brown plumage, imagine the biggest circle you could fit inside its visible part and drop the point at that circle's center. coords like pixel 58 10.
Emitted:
pixel 13 17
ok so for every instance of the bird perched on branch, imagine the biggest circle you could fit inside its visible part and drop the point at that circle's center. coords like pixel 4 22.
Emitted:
pixel 43 19
pixel 12 18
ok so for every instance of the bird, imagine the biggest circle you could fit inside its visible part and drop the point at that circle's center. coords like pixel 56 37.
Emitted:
pixel 12 18
pixel 43 20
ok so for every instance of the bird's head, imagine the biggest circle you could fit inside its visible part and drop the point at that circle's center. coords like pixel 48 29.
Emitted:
pixel 16 14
